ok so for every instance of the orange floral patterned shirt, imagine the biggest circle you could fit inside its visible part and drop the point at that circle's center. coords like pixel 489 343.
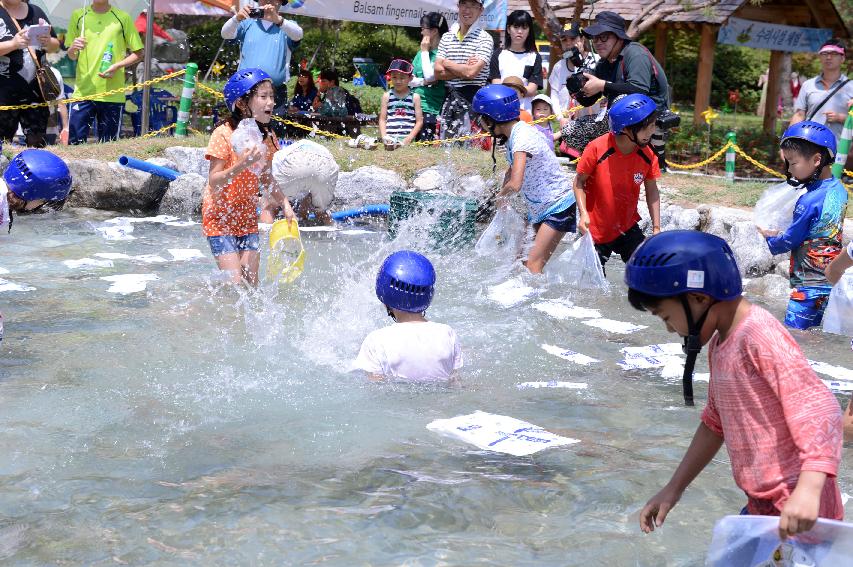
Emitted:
pixel 233 210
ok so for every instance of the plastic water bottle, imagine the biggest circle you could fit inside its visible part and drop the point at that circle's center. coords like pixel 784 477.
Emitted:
pixel 107 59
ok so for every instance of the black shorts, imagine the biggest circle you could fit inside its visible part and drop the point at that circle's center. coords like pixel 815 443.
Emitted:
pixel 563 221
pixel 624 245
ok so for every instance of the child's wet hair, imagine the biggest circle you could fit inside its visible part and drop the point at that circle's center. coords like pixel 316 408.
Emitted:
pixel 804 148
pixel 642 301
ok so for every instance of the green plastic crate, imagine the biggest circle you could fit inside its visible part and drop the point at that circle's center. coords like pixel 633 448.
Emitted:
pixel 452 217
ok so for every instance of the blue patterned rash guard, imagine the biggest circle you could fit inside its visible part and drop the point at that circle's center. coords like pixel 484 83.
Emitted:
pixel 814 237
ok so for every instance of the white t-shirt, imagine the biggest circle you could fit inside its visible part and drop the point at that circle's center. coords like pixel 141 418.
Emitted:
pixel 415 352
pixel 560 94
pixel 546 187
pixel 526 65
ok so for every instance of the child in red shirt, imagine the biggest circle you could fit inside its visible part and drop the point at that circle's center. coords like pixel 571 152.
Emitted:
pixel 609 174
pixel 781 425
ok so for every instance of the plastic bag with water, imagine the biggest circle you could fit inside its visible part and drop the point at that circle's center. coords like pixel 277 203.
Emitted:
pixel 838 317
pixel 579 266
pixel 504 237
pixel 775 209
pixel 246 136
pixel 753 541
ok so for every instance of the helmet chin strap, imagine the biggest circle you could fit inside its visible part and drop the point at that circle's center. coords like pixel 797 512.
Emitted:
pixel 633 137
pixel 815 176
pixel 692 347
pixel 391 313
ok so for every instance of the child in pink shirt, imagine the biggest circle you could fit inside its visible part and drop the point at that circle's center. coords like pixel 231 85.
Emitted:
pixel 780 424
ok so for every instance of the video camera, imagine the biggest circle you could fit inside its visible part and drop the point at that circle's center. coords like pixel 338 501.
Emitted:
pixel 259 12
pixel 576 80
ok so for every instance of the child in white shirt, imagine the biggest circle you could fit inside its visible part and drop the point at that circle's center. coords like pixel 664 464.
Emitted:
pixel 412 349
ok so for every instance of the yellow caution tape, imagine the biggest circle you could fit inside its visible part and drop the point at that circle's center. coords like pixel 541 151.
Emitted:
pixel 701 163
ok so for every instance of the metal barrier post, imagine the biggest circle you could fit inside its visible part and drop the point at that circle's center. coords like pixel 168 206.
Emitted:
pixel 731 139
pixel 186 100
pixel 843 147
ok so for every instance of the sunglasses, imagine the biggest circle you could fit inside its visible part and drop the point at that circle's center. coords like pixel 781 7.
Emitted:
pixel 400 65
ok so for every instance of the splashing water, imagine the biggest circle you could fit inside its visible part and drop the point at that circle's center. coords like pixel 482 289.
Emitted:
pixel 195 422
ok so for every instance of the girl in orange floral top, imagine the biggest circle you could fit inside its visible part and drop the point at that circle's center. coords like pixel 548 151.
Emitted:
pixel 230 204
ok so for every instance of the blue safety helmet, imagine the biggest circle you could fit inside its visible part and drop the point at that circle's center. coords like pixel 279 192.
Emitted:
pixel 629 110
pixel 38 174
pixel 813 132
pixel 406 281
pixel 241 83
pixel 679 261
pixel 498 102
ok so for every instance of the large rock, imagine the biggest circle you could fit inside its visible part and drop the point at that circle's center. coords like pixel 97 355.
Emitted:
pixel 183 197
pixel 189 160
pixel 108 185
pixel 674 217
pixel 366 186
pixel 771 286
pixel 750 248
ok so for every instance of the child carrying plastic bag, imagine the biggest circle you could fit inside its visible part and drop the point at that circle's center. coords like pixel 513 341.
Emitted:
pixel 838 317
pixel 504 237
pixel 579 266
pixel 775 209
pixel 246 136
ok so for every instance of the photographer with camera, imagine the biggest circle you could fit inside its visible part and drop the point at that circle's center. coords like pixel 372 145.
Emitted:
pixel 267 42
pixel 576 59
pixel 625 67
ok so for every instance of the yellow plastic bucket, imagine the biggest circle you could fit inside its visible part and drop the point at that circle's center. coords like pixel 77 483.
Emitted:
pixel 287 255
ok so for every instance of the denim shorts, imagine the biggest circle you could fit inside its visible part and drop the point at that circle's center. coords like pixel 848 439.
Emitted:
pixel 229 244
pixel 563 221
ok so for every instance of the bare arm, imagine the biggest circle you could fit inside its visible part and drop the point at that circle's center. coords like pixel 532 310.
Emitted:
pixel 419 121
pixel 19 41
pixel 702 449
pixel 131 59
pixel 579 188
pixel 383 115
pixel 837 267
pixel 515 175
pixel 798 116
pixel 653 202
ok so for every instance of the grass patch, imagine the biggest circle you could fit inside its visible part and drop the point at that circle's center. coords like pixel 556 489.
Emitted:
pixel 698 190
pixel 110 151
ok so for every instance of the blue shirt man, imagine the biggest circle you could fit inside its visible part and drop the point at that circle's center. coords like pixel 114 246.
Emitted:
pixel 267 41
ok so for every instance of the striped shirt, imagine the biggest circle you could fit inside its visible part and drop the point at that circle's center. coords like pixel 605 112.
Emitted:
pixel 400 119
pixel 476 43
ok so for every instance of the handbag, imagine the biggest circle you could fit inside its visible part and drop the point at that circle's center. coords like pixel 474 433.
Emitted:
pixel 48 85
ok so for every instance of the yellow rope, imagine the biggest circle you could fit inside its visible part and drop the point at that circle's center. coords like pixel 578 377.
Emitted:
pixel 701 163
pixel 757 164
pixel 95 96
pixel 158 132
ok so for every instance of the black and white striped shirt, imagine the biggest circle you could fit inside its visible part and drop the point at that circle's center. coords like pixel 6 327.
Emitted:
pixel 476 43
pixel 400 119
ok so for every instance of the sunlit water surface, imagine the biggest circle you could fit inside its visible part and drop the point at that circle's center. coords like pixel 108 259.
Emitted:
pixel 192 424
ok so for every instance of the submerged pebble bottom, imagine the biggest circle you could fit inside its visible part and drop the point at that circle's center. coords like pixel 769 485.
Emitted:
pixel 190 424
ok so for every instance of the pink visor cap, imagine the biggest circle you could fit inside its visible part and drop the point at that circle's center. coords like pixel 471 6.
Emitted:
pixel 832 49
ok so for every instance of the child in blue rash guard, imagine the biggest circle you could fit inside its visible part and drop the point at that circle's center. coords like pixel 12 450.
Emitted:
pixel 533 170
pixel 814 237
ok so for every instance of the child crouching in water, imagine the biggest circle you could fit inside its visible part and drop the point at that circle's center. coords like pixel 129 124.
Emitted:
pixel 412 349
pixel 230 203
pixel 780 424
pixel 307 172
pixel 814 237
pixel 533 170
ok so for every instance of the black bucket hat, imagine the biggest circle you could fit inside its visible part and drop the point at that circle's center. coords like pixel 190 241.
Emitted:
pixel 607 22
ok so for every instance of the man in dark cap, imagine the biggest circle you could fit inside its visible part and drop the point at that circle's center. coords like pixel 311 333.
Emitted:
pixel 570 39
pixel 625 67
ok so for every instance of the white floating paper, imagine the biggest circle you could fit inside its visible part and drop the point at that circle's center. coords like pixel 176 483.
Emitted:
pixel 117 232
pixel 837 372
pixel 88 263
pixel 4 271
pixel 511 292
pixel 663 349
pixel 149 259
pixel 181 223
pixel 129 283
pixel 642 362
pixel 317 229
pixel 112 255
pixel 6 285
pixel 552 384
pixel 565 309
pixel 159 219
pixel 844 498
pixel 569 355
pixel 356 231
pixel 182 254
pixel 839 387
pixel 702 377
pixel 500 433
pixel 613 326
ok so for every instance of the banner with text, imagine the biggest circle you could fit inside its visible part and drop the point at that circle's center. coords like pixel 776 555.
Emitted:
pixel 396 12
pixel 761 35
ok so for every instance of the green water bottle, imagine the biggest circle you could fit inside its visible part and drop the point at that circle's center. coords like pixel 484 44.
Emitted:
pixel 107 59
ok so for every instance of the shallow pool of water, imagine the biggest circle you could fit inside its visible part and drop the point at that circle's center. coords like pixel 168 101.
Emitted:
pixel 191 424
